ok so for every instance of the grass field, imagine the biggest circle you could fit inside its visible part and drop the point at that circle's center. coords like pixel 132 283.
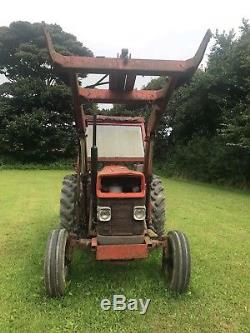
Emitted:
pixel 216 220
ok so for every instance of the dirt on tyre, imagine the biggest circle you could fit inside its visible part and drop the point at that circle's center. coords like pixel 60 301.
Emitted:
pixel 158 205
pixel 68 202
pixel 176 261
pixel 56 263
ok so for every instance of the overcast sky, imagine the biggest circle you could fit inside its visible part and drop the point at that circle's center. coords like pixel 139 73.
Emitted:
pixel 154 29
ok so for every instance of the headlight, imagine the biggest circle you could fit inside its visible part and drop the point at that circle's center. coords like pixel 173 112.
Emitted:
pixel 139 213
pixel 104 214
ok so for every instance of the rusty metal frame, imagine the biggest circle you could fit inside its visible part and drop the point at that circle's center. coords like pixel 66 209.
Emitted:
pixel 101 65
pixel 122 72
pixel 125 120
pixel 117 252
pixel 118 97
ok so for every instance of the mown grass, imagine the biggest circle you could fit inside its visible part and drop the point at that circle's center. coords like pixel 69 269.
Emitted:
pixel 216 221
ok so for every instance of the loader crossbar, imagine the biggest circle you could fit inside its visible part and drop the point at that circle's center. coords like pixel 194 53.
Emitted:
pixel 102 65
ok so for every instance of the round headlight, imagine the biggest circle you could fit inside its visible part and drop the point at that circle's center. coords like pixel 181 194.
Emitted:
pixel 139 213
pixel 104 214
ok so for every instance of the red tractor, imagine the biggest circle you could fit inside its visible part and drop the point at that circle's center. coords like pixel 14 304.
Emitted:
pixel 113 205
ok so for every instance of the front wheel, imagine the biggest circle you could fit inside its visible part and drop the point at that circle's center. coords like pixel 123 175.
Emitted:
pixel 176 261
pixel 56 263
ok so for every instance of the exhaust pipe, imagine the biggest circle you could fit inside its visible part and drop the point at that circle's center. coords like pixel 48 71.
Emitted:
pixel 94 164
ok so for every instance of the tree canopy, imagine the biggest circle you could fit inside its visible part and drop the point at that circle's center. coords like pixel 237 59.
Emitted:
pixel 23 52
pixel 35 106
pixel 210 117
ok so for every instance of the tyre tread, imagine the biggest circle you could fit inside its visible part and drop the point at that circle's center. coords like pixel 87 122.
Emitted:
pixel 180 251
pixel 68 201
pixel 158 204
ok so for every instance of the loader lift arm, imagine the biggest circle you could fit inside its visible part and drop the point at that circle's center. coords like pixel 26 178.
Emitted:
pixel 122 73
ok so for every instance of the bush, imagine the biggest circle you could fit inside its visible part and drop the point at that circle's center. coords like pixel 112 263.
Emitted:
pixel 209 160
pixel 7 162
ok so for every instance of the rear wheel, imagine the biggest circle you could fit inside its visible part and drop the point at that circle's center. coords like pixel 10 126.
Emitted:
pixel 56 263
pixel 68 202
pixel 157 200
pixel 176 261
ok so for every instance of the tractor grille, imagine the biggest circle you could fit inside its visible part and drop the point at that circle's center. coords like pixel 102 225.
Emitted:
pixel 122 222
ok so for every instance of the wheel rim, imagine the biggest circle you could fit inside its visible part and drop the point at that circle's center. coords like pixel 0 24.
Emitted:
pixel 168 262
pixel 66 269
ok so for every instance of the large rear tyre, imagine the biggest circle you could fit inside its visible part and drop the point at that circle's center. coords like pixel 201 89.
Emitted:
pixel 157 200
pixel 56 263
pixel 176 261
pixel 68 202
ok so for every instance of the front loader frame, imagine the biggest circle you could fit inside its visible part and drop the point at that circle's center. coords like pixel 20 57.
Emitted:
pixel 122 72
pixel 116 252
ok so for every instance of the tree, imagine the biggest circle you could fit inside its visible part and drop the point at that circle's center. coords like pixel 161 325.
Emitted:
pixel 23 52
pixel 36 120
pixel 210 117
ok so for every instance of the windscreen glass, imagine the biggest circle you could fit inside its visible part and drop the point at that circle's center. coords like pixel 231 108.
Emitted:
pixel 115 141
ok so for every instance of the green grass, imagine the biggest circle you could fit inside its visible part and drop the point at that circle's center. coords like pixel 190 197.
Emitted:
pixel 215 219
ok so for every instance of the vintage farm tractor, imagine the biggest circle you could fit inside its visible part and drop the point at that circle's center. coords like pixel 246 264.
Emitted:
pixel 113 205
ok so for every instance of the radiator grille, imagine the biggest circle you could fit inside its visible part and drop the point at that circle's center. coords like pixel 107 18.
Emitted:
pixel 122 222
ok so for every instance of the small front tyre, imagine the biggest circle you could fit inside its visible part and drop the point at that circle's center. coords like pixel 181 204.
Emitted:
pixel 56 263
pixel 176 261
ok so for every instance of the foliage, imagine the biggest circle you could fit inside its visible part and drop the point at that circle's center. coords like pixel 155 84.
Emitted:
pixel 8 162
pixel 210 117
pixel 35 106
pixel 23 53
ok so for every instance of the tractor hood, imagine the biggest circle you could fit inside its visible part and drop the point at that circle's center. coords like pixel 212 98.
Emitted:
pixel 117 181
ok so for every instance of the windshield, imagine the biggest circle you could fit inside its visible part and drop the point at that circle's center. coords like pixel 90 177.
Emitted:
pixel 117 141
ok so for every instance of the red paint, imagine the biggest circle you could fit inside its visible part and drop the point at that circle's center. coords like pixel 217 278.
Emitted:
pixel 94 242
pixel 115 120
pixel 121 252
pixel 102 65
pixel 119 159
pixel 119 97
pixel 118 170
